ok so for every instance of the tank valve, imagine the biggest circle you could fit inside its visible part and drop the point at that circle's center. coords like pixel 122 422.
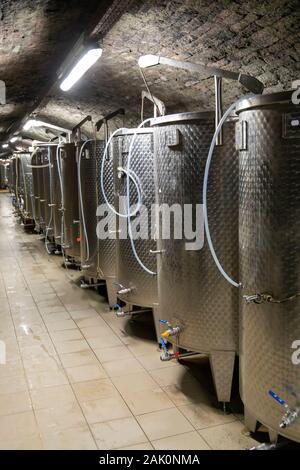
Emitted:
pixel 119 312
pixel 290 415
pixel 258 298
pixel 85 266
pixel 171 331
pixel 124 290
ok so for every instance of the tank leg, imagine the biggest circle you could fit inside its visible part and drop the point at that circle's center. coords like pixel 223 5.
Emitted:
pixel 250 420
pixel 111 292
pixel 156 318
pixel 222 365
pixel 273 436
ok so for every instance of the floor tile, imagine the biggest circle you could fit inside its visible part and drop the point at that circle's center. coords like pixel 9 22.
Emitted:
pixel 47 397
pixel 59 416
pixel 78 358
pixel 164 423
pixel 118 433
pixel 15 403
pixel 94 390
pixel 85 372
pixel 47 378
pixel 187 441
pixel 108 354
pixel 17 426
pixel 231 436
pixel 119 367
pixel 77 438
pixel 202 415
pixel 105 409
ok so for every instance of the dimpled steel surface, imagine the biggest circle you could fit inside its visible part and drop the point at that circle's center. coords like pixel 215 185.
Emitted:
pixel 107 247
pixel 270 257
pixel 71 206
pixel 191 292
pixel 90 160
pixel 129 273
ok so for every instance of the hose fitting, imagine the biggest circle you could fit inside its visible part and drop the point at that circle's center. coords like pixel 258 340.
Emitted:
pixel 290 415
pixel 171 331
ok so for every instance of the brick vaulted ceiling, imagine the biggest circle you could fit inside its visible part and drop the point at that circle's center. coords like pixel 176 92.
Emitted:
pixel 259 37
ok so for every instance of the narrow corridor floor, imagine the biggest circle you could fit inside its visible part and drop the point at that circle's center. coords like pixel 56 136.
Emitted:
pixel 76 377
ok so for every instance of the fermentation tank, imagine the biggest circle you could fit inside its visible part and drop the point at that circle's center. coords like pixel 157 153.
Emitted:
pixel 3 176
pixel 192 294
pixel 91 156
pixel 107 244
pixel 26 187
pixel 71 235
pixel 48 192
pixel 56 197
pixel 41 160
pixel 35 161
pixel 269 143
pixel 135 286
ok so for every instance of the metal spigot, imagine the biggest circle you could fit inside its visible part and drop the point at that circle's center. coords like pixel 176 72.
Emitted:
pixel 123 290
pixel 258 298
pixel 290 415
pixel 171 331
pixel 119 312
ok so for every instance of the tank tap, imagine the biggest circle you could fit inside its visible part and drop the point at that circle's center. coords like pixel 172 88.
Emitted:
pixel 171 331
pixel 258 298
pixel 119 312
pixel 290 415
pixel 123 290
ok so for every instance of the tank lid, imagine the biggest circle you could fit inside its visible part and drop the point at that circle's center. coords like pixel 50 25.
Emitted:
pixel 182 117
pixel 284 97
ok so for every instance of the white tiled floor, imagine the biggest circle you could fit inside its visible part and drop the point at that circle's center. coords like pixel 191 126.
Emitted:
pixel 77 377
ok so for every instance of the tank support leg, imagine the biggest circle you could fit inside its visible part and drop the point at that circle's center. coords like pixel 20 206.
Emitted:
pixel 222 365
pixel 250 420
pixel 273 436
pixel 111 292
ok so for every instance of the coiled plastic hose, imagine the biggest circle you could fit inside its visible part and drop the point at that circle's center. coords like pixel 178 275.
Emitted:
pixel 130 175
pixel 204 193
pixel 128 202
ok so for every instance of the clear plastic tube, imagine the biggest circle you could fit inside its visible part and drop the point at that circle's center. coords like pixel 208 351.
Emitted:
pixel 128 202
pixel 129 176
pixel 39 166
pixel 205 185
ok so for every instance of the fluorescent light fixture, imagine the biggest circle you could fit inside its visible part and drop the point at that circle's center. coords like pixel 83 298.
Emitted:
pixel 14 139
pixel 89 59
pixel 31 123
pixel 36 123
pixel 148 60
pixel 5 146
